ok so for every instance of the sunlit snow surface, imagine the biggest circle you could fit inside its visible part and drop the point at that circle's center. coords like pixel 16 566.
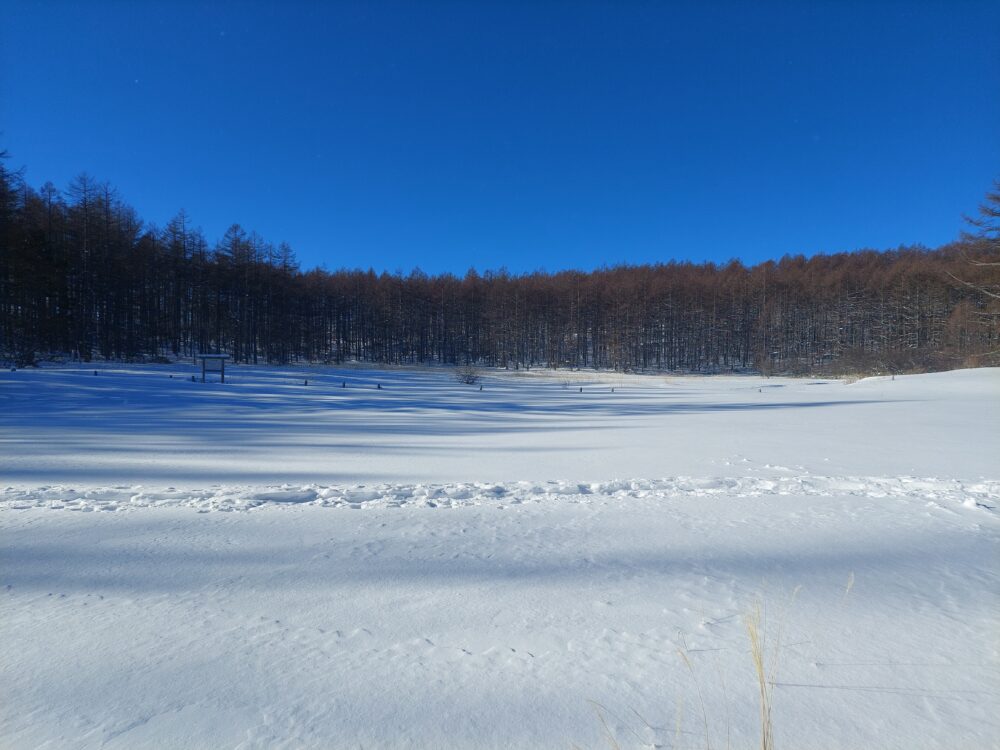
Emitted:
pixel 267 563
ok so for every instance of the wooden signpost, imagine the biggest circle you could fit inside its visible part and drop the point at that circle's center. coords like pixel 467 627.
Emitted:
pixel 213 363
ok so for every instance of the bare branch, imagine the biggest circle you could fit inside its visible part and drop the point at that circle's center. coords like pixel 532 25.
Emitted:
pixel 985 291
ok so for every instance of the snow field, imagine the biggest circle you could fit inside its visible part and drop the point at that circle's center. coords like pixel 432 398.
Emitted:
pixel 416 567
pixel 264 427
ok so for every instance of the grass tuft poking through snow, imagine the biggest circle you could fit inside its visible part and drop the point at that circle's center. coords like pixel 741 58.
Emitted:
pixel 764 655
pixel 755 626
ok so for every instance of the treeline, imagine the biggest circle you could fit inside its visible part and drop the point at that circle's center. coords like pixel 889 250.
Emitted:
pixel 81 275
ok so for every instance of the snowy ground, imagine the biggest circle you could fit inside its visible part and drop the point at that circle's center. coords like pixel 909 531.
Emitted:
pixel 271 564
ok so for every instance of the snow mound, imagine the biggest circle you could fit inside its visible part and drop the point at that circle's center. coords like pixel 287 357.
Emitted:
pixel 978 494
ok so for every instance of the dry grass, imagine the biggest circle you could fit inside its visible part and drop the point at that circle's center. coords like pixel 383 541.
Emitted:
pixel 848 587
pixel 765 651
pixel 758 643
pixel 608 734
pixel 701 697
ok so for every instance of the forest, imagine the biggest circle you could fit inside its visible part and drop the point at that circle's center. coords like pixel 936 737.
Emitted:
pixel 82 276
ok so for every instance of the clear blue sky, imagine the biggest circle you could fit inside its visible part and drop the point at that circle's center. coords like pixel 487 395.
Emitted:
pixel 522 134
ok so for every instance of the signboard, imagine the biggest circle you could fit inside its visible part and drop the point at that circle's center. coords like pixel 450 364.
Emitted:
pixel 213 363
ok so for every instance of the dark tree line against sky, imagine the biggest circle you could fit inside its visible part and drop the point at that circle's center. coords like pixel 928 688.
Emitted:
pixel 81 275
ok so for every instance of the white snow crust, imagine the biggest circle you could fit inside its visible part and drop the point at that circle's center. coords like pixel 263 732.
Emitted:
pixel 267 563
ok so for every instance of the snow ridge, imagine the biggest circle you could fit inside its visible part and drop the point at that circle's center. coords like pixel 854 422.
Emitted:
pixel 981 494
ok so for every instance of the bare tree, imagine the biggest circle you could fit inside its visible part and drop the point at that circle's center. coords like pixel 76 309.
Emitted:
pixel 982 253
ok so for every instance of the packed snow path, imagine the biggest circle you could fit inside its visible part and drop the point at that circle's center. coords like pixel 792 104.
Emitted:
pixel 375 584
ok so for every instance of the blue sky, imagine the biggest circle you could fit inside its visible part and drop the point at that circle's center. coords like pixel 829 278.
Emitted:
pixel 528 135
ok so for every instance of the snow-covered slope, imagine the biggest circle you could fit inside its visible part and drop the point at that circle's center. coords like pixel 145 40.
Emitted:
pixel 430 565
